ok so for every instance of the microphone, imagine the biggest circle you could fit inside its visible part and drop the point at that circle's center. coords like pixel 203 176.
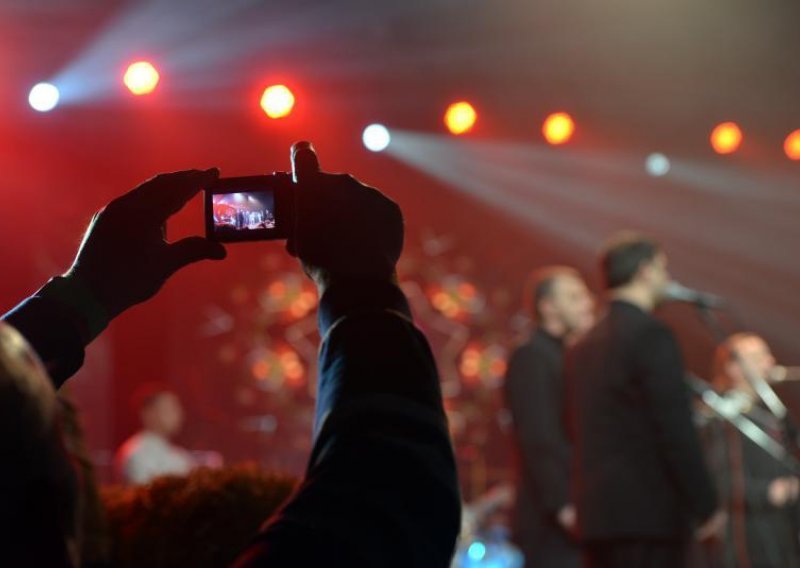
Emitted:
pixel 677 292
pixel 779 373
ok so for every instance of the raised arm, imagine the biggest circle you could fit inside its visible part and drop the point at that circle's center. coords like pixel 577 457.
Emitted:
pixel 123 260
pixel 381 487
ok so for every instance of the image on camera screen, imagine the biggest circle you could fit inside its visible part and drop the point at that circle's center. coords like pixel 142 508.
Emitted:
pixel 237 213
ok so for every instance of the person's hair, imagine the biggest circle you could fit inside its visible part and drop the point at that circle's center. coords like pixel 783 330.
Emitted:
pixel 540 285
pixel 723 355
pixel 146 394
pixel 622 257
pixel 204 519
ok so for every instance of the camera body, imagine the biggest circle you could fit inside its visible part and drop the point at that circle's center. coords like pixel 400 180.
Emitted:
pixel 250 208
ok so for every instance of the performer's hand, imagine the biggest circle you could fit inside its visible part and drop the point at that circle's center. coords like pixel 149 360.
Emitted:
pixel 713 528
pixel 124 258
pixel 344 229
pixel 568 518
pixel 783 490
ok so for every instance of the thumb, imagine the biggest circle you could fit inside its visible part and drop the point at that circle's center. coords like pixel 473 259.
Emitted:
pixel 194 249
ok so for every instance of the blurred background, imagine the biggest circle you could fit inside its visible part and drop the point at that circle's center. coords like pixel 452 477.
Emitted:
pixel 641 85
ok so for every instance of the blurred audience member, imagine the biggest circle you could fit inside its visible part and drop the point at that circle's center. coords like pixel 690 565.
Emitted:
pixel 150 452
pixel 39 487
pixel 203 519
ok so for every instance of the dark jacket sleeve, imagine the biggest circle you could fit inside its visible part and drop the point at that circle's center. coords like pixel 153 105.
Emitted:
pixel 381 486
pixel 536 407
pixel 54 332
pixel 667 398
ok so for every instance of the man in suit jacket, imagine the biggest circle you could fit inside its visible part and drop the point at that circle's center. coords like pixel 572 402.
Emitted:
pixel 760 492
pixel 543 515
pixel 381 487
pixel 640 479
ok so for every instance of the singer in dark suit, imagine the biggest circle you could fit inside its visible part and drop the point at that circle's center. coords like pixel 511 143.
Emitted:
pixel 760 492
pixel 544 516
pixel 640 480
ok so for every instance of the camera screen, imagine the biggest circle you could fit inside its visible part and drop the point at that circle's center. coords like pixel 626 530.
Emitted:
pixel 242 212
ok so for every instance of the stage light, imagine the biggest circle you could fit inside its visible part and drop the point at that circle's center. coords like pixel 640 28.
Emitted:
pixel 476 551
pixel 792 145
pixel 460 117
pixel 726 138
pixel 141 78
pixel 376 137
pixel 558 128
pixel 277 101
pixel 43 97
pixel 657 164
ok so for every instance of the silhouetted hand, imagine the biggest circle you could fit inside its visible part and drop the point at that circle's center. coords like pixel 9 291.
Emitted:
pixel 124 258
pixel 344 229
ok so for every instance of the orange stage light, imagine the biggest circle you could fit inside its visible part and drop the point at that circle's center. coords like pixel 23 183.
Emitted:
pixel 558 128
pixel 460 117
pixel 726 138
pixel 277 101
pixel 792 145
pixel 141 78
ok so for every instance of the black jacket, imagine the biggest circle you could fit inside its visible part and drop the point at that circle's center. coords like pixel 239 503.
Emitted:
pixel 638 469
pixel 535 395
pixel 381 486
pixel 759 533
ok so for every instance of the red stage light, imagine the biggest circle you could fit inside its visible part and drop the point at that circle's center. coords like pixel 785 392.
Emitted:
pixel 460 117
pixel 141 78
pixel 558 128
pixel 792 145
pixel 277 101
pixel 726 138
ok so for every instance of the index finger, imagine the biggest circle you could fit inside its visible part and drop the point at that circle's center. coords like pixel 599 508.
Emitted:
pixel 166 194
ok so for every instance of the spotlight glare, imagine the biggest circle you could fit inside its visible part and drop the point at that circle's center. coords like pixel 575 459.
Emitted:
pixel 376 137
pixel 141 78
pixel 558 128
pixel 792 145
pixel 43 97
pixel 277 101
pixel 460 117
pixel 657 164
pixel 726 138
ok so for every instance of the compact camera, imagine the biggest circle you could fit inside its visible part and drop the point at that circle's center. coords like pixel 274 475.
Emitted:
pixel 251 208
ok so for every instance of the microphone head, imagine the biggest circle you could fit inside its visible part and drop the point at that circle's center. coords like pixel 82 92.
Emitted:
pixel 677 292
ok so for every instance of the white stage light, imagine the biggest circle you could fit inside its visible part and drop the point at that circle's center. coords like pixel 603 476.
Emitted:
pixel 43 97
pixel 657 164
pixel 376 137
